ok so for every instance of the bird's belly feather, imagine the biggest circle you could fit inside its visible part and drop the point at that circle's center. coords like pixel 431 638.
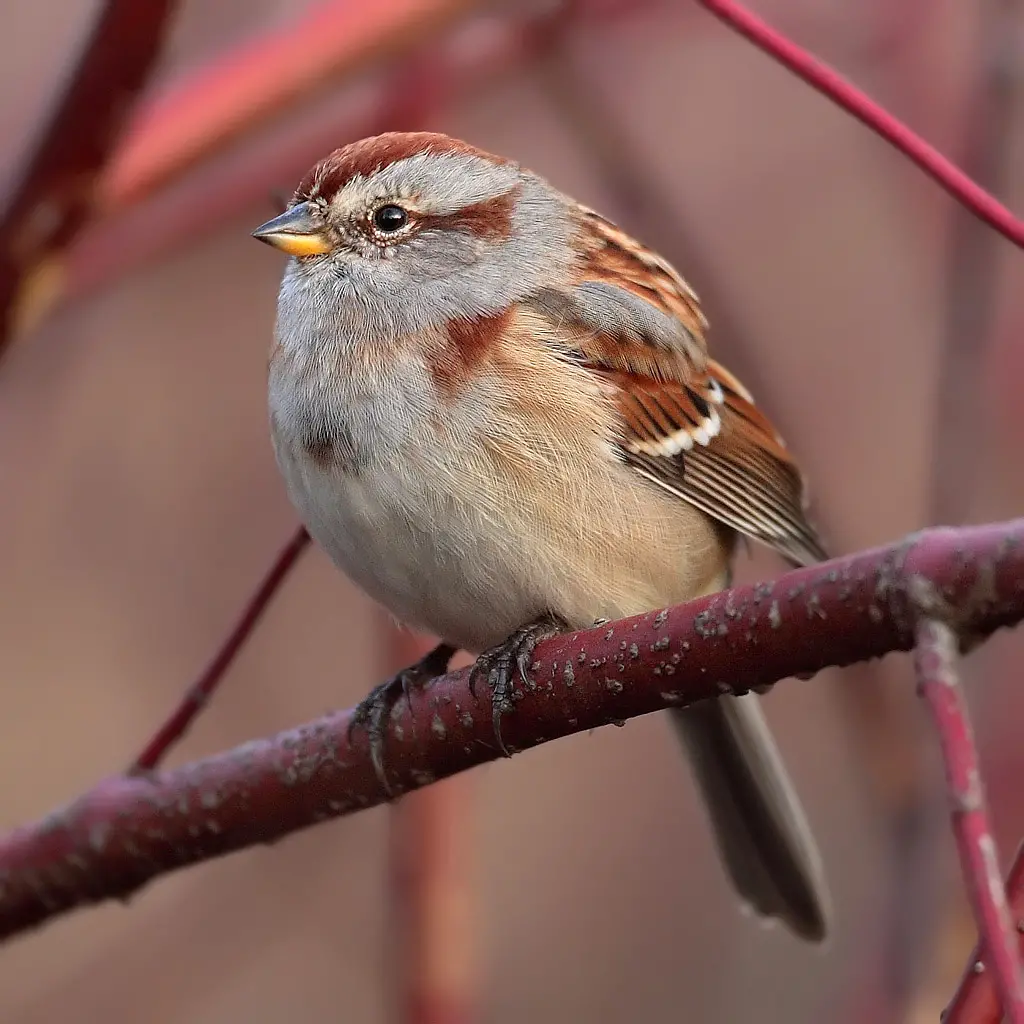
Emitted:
pixel 431 571
pixel 471 564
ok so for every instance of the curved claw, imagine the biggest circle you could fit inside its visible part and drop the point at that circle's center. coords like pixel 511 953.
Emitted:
pixel 375 734
pixel 496 713
pixel 501 702
pixel 373 710
pixel 523 661
pixel 497 663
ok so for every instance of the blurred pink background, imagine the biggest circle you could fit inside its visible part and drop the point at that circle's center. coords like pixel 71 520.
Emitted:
pixel 139 504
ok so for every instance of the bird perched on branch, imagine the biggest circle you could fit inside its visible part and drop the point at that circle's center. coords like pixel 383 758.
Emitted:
pixel 496 412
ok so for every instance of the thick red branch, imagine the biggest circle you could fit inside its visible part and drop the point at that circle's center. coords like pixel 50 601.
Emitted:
pixel 127 831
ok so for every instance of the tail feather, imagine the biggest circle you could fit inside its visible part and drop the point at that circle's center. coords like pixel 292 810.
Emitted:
pixel 762 834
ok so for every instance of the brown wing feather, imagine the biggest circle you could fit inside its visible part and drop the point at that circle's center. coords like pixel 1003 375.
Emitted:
pixel 688 424
pixel 743 475
pixel 622 260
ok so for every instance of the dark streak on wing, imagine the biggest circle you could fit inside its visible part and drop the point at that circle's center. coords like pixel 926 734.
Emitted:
pixel 629 265
pixel 744 477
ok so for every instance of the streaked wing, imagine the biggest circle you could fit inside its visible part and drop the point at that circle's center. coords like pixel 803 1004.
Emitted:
pixel 741 475
pixel 688 425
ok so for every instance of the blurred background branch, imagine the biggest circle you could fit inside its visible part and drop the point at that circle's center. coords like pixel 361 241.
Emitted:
pixel 55 194
pixel 205 112
pixel 211 185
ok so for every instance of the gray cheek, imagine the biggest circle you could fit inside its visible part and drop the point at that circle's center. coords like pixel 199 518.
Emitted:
pixel 439 255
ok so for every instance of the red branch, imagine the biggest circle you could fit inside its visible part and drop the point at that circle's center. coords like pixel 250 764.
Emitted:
pixel 54 197
pixel 976 1000
pixel 195 697
pixel 822 78
pixel 935 660
pixel 126 831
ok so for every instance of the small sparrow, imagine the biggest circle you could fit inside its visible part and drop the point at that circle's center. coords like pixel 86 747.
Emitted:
pixel 496 412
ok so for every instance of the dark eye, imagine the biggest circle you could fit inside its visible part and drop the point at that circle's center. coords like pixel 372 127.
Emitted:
pixel 390 218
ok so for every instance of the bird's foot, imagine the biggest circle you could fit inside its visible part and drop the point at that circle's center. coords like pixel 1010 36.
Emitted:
pixel 372 711
pixel 499 665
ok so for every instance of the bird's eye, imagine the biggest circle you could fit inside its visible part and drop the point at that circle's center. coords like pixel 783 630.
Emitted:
pixel 390 218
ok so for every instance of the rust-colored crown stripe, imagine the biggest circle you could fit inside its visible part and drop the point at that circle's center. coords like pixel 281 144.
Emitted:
pixel 490 219
pixel 367 156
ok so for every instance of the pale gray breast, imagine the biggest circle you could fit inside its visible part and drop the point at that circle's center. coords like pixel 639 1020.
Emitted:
pixel 352 418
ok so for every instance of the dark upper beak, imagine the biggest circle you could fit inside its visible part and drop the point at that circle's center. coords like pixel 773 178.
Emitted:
pixel 295 232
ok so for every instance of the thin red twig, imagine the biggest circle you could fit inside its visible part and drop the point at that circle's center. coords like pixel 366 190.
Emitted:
pixel 126 831
pixel 53 199
pixel 935 661
pixel 828 82
pixel 976 1000
pixel 194 699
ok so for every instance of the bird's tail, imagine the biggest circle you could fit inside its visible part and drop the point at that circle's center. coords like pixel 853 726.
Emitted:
pixel 760 827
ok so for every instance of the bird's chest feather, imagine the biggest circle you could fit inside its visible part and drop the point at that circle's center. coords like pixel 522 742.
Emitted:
pixel 398 489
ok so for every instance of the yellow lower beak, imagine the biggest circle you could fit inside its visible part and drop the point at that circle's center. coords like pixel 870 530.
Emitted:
pixel 295 232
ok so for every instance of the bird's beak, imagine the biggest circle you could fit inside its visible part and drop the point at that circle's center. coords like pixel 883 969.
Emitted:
pixel 295 233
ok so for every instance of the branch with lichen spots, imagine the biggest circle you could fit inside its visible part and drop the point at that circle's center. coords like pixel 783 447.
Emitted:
pixel 127 831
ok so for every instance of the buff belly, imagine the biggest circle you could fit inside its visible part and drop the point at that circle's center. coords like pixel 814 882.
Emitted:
pixel 469 556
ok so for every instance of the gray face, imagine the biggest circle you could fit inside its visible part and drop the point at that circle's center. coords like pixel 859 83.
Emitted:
pixel 479 236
